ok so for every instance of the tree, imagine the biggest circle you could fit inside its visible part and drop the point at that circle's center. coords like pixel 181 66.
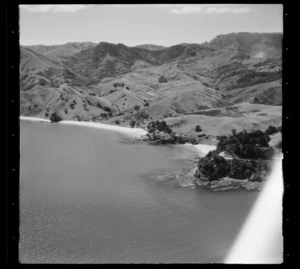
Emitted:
pixel 136 108
pixel 107 109
pixel 55 117
pixel 103 115
pixel 271 130
pixel 132 123
pixel 213 166
pixel 198 128
pixel 117 122
pixel 162 79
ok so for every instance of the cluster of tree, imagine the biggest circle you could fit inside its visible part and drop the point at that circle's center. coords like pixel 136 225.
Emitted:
pixel 160 126
pixel 160 133
pixel 246 145
pixel 104 115
pixel 214 167
pixel 251 77
pixel 72 105
pixel 116 84
pixel 272 130
pixel 55 117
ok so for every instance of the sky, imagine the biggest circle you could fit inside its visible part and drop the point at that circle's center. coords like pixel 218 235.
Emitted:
pixel 166 25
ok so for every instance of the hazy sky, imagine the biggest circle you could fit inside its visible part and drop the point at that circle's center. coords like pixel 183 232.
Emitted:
pixel 143 24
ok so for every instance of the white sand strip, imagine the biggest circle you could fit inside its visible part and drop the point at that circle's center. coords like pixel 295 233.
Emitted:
pixel 201 149
pixel 33 119
pixel 133 132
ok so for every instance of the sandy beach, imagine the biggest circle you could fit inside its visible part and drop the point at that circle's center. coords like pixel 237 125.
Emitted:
pixel 133 132
pixel 201 149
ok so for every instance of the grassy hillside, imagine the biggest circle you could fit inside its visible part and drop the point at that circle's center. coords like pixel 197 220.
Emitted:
pixel 234 81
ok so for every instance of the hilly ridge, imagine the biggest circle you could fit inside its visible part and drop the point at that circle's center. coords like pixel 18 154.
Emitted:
pixel 83 80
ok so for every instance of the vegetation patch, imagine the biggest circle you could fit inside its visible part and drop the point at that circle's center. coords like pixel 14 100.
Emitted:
pixel 55 117
pixel 250 157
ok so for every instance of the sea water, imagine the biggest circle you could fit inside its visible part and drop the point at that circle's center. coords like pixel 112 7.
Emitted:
pixel 87 196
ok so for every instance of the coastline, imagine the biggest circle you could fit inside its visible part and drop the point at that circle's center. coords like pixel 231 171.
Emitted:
pixel 133 132
pixel 138 133
pixel 201 149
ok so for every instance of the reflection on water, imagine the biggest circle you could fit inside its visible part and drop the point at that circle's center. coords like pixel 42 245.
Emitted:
pixel 86 197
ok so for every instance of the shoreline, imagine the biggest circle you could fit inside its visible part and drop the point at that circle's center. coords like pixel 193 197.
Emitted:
pixel 200 149
pixel 133 132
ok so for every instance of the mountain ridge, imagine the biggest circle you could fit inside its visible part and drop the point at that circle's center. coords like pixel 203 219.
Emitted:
pixel 175 80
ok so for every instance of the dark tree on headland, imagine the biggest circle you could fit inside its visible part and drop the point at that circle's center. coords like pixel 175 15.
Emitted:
pixel 55 117
pixel 250 157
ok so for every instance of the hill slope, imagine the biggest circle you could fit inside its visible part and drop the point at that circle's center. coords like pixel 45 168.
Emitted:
pixel 84 80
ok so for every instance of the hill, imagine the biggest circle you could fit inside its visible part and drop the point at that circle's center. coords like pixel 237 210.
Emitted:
pixel 211 84
pixel 150 47
pixel 56 52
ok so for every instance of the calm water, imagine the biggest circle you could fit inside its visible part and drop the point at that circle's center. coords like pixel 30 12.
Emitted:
pixel 86 196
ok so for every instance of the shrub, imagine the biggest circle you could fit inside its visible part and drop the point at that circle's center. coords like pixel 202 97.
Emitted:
pixel 279 145
pixel 271 130
pixel 55 117
pixel 107 109
pixel 117 122
pixel 103 115
pixel 136 108
pixel 141 116
pixel 162 79
pixel 198 128
pixel 132 123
